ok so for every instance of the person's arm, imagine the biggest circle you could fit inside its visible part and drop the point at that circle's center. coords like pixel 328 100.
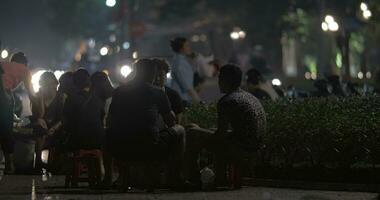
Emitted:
pixel 165 109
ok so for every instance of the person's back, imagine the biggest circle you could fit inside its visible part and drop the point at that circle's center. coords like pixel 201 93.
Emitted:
pixel 134 115
pixel 246 116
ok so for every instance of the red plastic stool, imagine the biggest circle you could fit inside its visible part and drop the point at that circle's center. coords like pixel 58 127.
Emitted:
pixel 85 162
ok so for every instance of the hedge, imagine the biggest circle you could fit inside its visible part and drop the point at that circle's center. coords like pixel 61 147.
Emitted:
pixel 330 132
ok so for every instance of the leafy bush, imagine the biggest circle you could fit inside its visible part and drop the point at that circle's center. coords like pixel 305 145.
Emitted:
pixel 330 132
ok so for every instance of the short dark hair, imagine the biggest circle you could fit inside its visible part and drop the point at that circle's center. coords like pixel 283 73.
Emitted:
pixel 231 75
pixel 19 57
pixel 145 68
pixel 254 77
pixel 81 79
pixel 177 44
pixel 161 64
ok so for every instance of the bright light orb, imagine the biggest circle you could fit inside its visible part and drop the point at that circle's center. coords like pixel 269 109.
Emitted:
pixel 4 54
pixel 329 19
pixel 360 75
pixel 234 35
pixel 325 26
pixel 126 45
pixel 103 51
pixel 333 26
pixel 363 6
pixel 169 75
pixel 242 34
pixel 125 71
pixel 368 75
pixel 276 82
pixel 367 14
pixel 135 55
pixel 110 3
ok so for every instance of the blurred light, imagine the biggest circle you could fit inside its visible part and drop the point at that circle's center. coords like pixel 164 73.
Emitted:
pixel 125 71
pixel 58 73
pixel 126 45
pixel 242 34
pixel 195 38
pixel 106 72
pixel 368 75
pixel 91 43
pixel 360 75
pixel 203 38
pixel 135 55
pixel 363 6
pixel 36 80
pixel 329 19
pixel 234 35
pixel 110 3
pixel 313 76
pixel 45 156
pixel 367 14
pixel 333 26
pixel 169 75
pixel 276 82
pixel 117 49
pixel 112 38
pixel 308 75
pixel 4 54
pixel 103 51
pixel 325 26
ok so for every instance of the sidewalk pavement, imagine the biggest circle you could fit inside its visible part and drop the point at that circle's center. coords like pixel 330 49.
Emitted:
pixel 33 187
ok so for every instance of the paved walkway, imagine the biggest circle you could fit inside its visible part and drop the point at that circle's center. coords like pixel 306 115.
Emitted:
pixel 32 187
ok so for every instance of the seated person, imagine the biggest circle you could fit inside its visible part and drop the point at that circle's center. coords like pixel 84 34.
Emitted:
pixel 74 103
pixel 92 114
pixel 259 87
pixel 133 131
pixel 49 109
pixel 241 122
pixel 173 96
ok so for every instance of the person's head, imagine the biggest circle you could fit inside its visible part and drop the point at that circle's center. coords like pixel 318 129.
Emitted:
pixel 162 69
pixel 230 77
pixel 19 58
pixel 145 70
pixel 101 85
pixel 181 46
pixel 81 79
pixel 254 77
pixel 48 82
pixel 66 83
pixel 334 80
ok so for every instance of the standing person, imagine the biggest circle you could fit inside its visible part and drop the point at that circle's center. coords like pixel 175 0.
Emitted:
pixel 241 123
pixel 133 129
pixel 182 71
pixel 173 96
pixel 12 75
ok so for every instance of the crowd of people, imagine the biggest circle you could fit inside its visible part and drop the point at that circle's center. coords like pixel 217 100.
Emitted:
pixel 139 120
pixel 142 119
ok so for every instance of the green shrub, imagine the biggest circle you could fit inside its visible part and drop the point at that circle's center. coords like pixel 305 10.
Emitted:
pixel 333 132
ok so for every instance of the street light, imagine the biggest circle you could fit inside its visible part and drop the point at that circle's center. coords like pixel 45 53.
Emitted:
pixel 329 24
pixel 363 6
pixel 237 34
pixel 110 3
pixel 276 82
pixel 103 51
pixel 365 11
pixel 4 54
pixel 125 71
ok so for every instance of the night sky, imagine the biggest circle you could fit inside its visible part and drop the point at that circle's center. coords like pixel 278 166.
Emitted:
pixel 24 27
